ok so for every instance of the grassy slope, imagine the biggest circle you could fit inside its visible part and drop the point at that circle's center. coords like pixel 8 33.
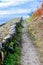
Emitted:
pixel 35 31
pixel 30 19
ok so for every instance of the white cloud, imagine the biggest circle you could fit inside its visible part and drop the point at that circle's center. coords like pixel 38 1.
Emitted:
pixel 16 11
pixel 7 13
pixel 6 3
pixel 26 16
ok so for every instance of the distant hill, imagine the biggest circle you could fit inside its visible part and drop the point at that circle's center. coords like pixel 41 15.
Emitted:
pixel 2 24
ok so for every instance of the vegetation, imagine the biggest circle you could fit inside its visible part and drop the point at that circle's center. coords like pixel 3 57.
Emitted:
pixel 4 28
pixel 14 58
pixel 35 32
pixel 12 48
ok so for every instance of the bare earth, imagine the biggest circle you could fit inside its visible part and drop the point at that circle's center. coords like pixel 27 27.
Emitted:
pixel 29 55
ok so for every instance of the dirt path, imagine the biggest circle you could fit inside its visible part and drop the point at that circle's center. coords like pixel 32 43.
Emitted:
pixel 29 55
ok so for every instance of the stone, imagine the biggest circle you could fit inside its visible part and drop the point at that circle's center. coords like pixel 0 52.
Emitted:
pixel 0 45
pixel 1 56
pixel 8 36
pixel 10 49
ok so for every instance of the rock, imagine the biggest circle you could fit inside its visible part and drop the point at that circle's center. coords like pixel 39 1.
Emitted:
pixel 1 56
pixel 17 43
pixel 3 41
pixel 12 30
pixel 13 26
pixel 12 33
pixel 10 49
pixel 0 45
pixel 8 37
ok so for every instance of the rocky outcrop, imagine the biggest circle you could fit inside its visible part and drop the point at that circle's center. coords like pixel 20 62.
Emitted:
pixel 7 39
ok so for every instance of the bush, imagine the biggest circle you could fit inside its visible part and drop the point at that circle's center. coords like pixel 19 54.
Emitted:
pixel 13 59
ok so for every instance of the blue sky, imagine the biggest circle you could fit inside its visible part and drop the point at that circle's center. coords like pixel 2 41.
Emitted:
pixel 16 8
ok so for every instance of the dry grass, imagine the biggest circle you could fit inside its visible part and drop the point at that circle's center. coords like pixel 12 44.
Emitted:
pixel 4 30
pixel 36 29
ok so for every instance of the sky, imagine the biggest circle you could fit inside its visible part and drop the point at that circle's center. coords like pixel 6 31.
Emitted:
pixel 10 9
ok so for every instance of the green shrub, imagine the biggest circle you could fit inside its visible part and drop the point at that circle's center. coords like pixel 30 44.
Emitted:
pixel 13 59
pixel 11 44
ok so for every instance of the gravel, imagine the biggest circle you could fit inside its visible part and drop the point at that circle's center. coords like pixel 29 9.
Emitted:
pixel 29 55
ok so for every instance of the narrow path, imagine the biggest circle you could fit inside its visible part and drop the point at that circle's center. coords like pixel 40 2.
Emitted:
pixel 28 54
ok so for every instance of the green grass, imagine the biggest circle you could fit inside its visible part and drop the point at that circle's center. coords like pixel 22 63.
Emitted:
pixel 13 58
pixel 35 32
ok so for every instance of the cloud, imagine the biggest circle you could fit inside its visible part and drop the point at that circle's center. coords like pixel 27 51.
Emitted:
pixel 16 11
pixel 6 3
pixel 9 10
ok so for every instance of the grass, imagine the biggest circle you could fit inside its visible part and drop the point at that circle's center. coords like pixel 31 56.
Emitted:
pixel 4 29
pixel 35 32
pixel 13 59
